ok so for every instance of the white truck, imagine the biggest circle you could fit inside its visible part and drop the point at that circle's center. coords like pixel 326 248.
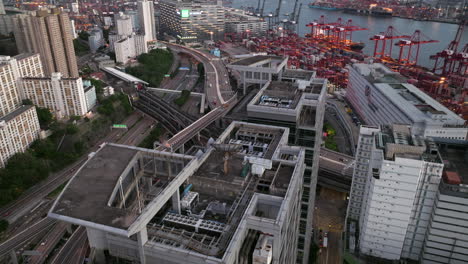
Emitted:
pixel 325 240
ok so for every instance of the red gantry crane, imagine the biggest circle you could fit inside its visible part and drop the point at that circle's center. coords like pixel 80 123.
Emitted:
pixel 344 34
pixel 407 44
pixel 316 27
pixel 388 36
pixel 444 60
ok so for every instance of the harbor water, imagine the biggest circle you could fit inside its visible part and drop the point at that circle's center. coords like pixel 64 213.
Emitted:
pixel 443 32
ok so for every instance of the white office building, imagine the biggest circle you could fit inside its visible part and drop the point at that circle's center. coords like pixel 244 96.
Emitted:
pixel 404 172
pixel 446 239
pixel 381 96
pixel 129 47
pixel 135 19
pixel 146 16
pixel 124 24
pixel 239 21
pixel 108 21
pixel 96 39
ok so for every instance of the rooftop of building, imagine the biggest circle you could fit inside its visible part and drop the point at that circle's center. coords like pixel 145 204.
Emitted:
pixel 298 74
pixel 416 104
pixel 17 112
pixel 455 158
pixel 280 95
pixel 260 59
pixel 247 159
pixel 287 95
pixel 398 141
pixel 94 193
pixel 25 55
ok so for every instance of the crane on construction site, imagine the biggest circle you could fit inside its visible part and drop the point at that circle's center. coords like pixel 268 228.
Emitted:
pixel 384 37
pixel 445 60
pixel 407 44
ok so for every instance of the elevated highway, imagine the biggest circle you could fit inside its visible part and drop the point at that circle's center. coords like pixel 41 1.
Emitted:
pixel 335 170
pixel 219 94
pixel 217 87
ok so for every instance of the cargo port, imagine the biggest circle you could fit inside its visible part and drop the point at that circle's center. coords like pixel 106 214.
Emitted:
pixel 416 11
pixel 329 47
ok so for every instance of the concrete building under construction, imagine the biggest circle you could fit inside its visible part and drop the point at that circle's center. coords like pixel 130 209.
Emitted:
pixel 237 199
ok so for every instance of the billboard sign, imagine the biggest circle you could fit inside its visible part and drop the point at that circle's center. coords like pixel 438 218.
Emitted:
pixel 185 13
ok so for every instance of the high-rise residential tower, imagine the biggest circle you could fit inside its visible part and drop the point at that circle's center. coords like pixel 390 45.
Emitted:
pixel 124 25
pixel 19 125
pixel 48 33
pixel 146 16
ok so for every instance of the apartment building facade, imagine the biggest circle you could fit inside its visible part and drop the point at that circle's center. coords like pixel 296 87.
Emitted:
pixel 65 97
pixel 48 33
pixel 19 125
pixel 146 19
pixel 18 129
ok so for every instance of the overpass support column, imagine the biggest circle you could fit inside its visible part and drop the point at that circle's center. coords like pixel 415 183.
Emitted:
pixel 13 258
pixel 97 240
pixel 243 82
pixel 169 169
pixel 176 202
pixel 142 238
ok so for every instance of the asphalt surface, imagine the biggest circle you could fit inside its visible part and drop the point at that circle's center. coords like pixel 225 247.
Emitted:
pixel 217 87
pixel 233 49
pixel 341 138
pixel 48 243
pixel 330 211
pixel 74 251
pixel 26 235
pixel 341 108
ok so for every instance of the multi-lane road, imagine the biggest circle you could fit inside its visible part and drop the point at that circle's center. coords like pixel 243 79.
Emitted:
pixel 33 231
pixel 217 87
pixel 74 250
pixel 139 127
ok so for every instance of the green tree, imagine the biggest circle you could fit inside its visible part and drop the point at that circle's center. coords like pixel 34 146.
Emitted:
pixel 71 129
pixel 45 117
pixel 98 84
pixel 3 225
pixel 84 35
pixel 153 66
pixel 27 102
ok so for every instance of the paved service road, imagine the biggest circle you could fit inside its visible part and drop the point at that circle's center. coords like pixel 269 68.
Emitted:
pixel 330 217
